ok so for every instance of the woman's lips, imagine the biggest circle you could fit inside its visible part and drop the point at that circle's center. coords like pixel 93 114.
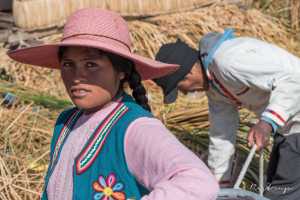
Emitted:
pixel 79 92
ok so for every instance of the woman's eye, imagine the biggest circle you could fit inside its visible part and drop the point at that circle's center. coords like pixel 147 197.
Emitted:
pixel 91 65
pixel 67 65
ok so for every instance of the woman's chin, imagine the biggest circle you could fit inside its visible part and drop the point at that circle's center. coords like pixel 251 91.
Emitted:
pixel 81 104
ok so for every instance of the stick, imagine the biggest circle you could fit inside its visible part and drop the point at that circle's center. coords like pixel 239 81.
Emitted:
pixel 261 173
pixel 245 167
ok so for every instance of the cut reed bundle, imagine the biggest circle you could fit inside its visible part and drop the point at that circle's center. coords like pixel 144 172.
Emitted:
pixel 148 35
pixel 285 10
pixel 54 12
pixel 24 150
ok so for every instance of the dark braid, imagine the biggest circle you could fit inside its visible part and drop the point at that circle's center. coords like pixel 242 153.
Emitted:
pixel 132 77
pixel 138 90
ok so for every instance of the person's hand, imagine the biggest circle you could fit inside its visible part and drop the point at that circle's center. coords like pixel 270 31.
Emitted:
pixel 259 134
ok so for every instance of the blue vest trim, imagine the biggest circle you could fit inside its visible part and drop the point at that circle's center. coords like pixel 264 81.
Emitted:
pixel 95 143
pixel 228 34
pixel 63 136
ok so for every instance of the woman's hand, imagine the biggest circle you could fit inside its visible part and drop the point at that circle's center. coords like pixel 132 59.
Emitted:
pixel 259 134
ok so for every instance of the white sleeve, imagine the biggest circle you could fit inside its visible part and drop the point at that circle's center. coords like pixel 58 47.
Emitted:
pixel 266 67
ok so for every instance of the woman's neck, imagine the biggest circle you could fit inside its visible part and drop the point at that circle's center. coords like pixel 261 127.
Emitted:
pixel 95 109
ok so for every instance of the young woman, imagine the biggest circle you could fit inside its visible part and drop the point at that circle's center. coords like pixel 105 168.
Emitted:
pixel 109 146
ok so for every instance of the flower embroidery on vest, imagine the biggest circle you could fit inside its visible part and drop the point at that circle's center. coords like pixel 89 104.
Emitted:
pixel 108 189
pixel 93 148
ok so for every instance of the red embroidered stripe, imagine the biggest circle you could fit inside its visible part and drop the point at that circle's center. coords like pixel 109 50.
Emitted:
pixel 276 115
pixel 226 92
pixel 62 135
pixel 243 91
pixel 91 151
pixel 65 126
pixel 104 123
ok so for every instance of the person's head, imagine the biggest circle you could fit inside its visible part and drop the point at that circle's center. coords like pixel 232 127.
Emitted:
pixel 95 59
pixel 190 76
pixel 93 77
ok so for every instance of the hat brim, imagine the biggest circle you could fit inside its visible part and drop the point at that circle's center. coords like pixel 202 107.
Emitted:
pixel 171 96
pixel 47 56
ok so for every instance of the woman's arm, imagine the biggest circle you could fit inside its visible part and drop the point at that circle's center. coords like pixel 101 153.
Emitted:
pixel 165 166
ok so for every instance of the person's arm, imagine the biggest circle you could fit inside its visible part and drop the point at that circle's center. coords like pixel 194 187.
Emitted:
pixel 165 166
pixel 224 123
pixel 283 104
pixel 265 67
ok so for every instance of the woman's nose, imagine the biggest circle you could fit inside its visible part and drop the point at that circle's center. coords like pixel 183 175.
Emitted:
pixel 80 74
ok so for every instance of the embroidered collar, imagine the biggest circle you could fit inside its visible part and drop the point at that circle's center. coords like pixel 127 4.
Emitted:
pixel 93 147
pixel 63 135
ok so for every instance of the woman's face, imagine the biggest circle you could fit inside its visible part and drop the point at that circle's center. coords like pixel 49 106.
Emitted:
pixel 89 77
pixel 195 80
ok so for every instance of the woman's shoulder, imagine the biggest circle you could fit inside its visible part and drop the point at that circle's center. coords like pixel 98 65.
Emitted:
pixel 134 108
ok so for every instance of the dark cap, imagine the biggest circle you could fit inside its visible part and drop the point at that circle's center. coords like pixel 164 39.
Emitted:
pixel 175 53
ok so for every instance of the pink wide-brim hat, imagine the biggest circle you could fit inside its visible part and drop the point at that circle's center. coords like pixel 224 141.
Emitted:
pixel 95 28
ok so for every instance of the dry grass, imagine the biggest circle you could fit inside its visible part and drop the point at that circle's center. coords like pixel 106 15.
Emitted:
pixel 54 12
pixel 150 34
pixel 24 149
pixel 285 10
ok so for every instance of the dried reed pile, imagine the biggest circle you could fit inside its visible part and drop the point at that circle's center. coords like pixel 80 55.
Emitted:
pixel 149 34
pixel 54 12
pixel 26 128
pixel 285 10
pixel 24 149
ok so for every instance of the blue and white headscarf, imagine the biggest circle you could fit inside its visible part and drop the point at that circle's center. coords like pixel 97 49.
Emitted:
pixel 210 42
